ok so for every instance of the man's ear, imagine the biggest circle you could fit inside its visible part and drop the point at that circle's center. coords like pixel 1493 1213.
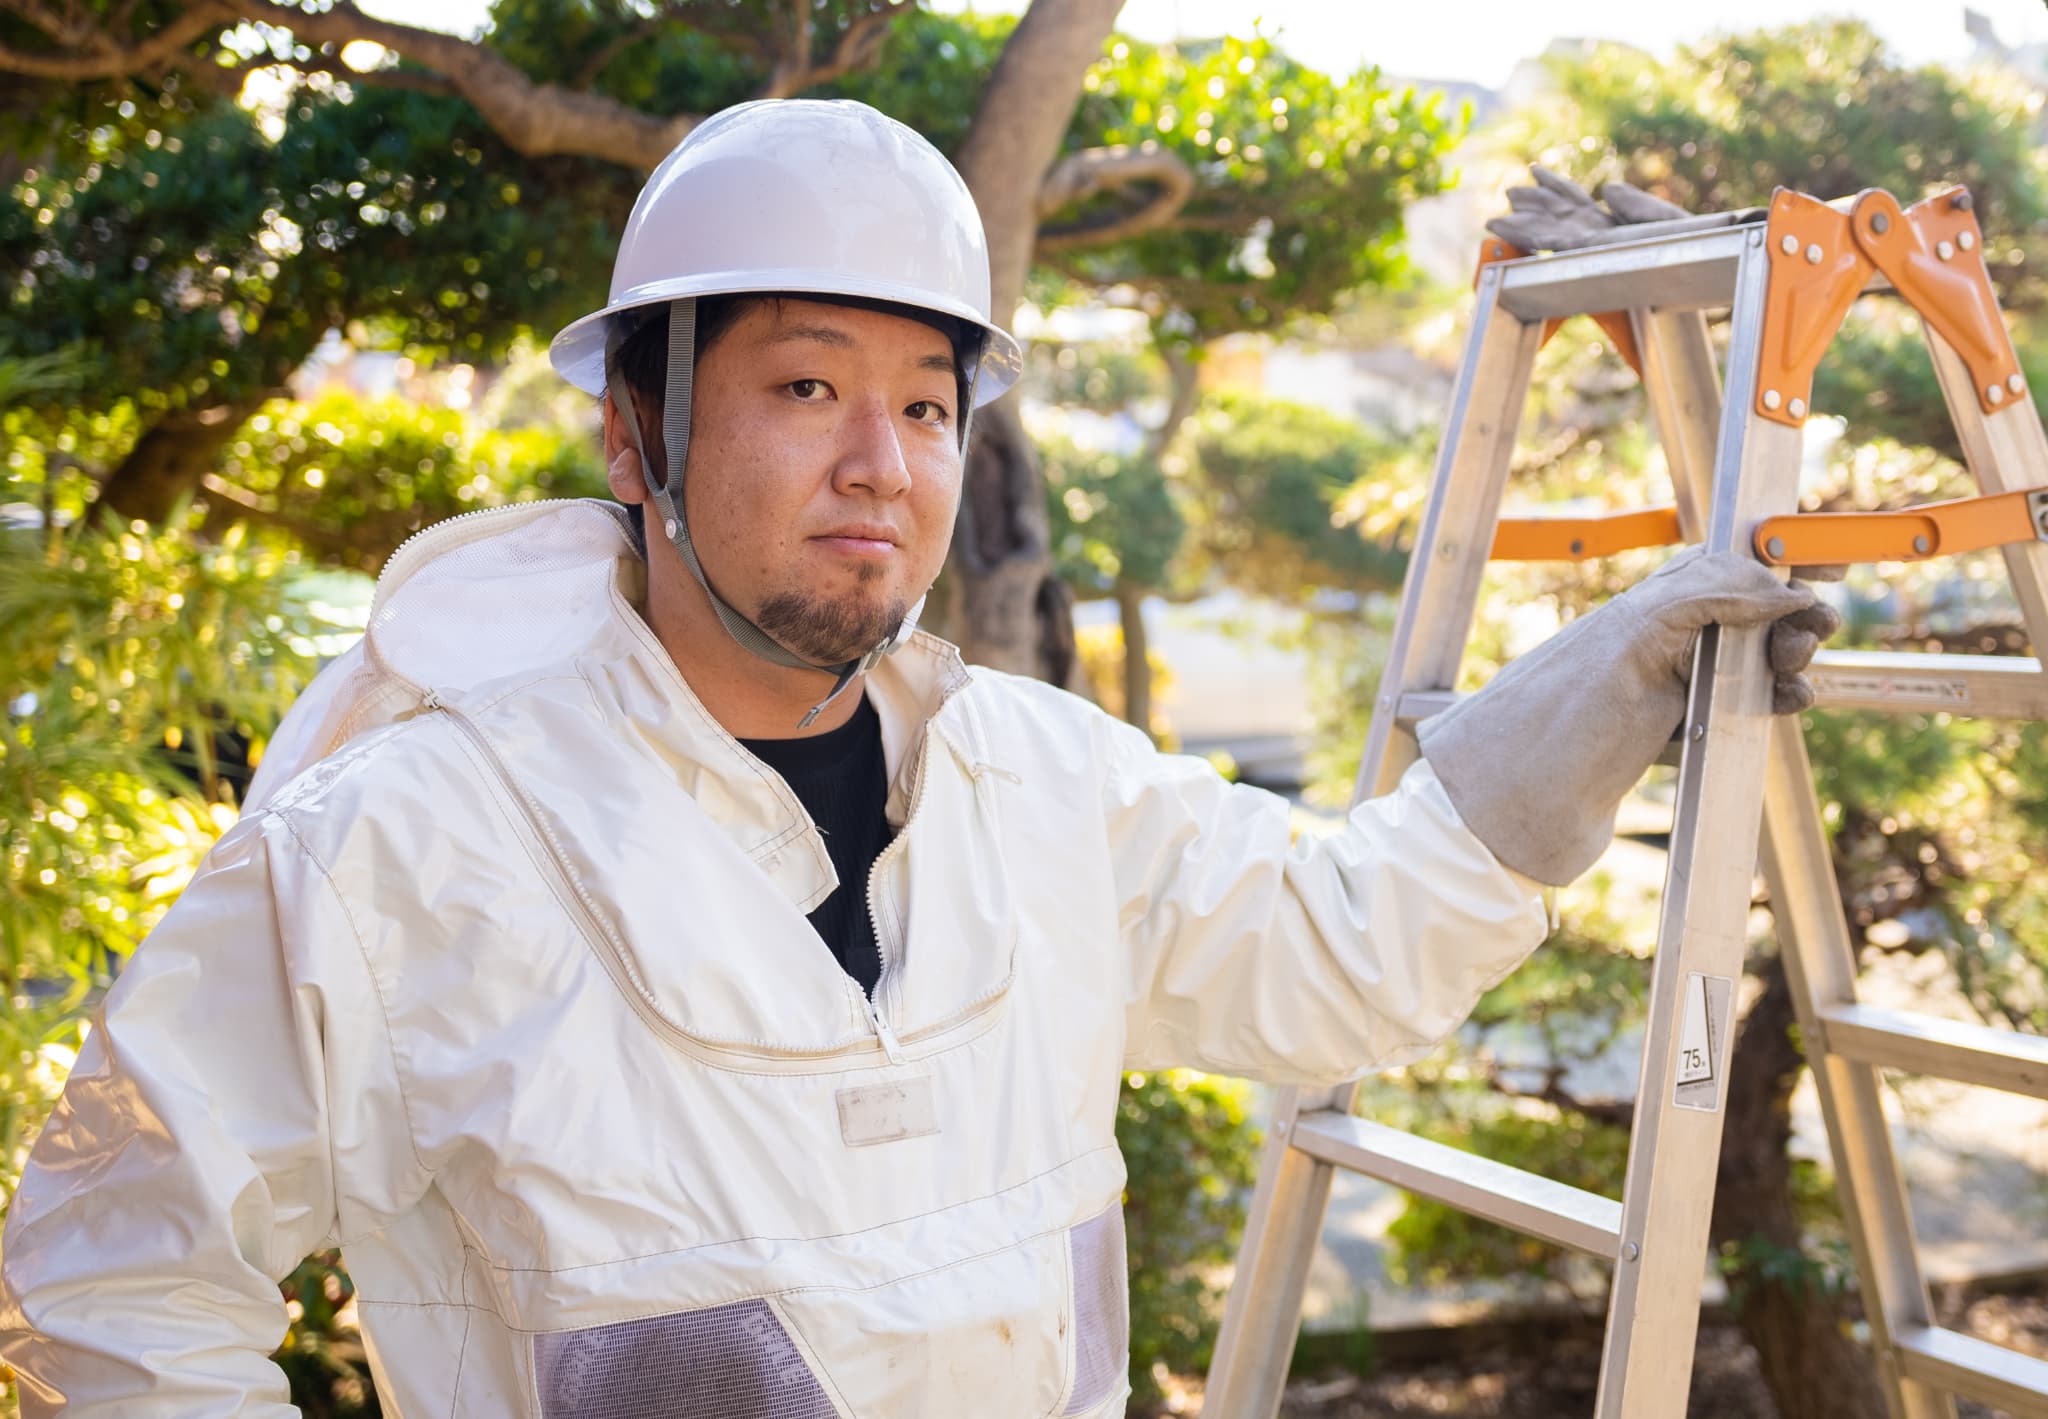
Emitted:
pixel 621 461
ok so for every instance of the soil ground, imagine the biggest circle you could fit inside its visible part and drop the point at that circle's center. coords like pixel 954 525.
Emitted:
pixel 1551 1375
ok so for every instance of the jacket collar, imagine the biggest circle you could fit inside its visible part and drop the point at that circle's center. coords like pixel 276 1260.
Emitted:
pixel 639 682
pixel 483 604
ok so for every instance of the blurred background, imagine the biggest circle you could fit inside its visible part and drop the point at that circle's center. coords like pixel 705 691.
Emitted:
pixel 275 287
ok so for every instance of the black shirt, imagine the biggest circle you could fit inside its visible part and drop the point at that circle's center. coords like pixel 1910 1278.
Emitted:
pixel 842 781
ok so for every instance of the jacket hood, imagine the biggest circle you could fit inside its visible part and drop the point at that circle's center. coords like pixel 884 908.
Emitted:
pixel 493 597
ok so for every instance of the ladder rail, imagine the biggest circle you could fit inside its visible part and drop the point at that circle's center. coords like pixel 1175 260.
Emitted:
pixel 1820 965
pixel 1262 1312
pixel 1794 854
pixel 1653 1312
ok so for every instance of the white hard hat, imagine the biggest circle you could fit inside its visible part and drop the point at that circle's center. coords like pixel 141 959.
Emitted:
pixel 805 196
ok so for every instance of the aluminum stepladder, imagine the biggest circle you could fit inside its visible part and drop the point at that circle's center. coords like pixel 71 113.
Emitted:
pixel 1744 780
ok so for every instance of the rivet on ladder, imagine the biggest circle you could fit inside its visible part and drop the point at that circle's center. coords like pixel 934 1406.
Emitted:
pixel 1966 240
pixel 1789 244
pixel 1880 223
pixel 1630 1252
pixel 1945 249
pixel 1797 408
pixel 1776 546
pixel 1772 399
pixel 1814 254
pixel 1922 545
pixel 1995 393
pixel 2015 383
pixel 1961 202
pixel 1699 732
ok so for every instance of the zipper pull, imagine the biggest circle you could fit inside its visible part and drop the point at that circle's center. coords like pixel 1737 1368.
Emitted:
pixel 891 1046
pixel 430 701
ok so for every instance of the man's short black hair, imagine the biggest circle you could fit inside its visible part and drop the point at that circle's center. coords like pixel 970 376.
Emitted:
pixel 642 357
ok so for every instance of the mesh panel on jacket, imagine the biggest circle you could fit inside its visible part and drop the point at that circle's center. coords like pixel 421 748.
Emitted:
pixel 1102 1327
pixel 728 1362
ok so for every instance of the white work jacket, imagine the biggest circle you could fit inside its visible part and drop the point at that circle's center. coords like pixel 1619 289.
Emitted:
pixel 510 994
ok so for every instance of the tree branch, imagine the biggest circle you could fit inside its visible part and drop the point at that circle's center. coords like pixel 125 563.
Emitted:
pixel 537 120
pixel 95 54
pixel 1094 171
pixel 795 66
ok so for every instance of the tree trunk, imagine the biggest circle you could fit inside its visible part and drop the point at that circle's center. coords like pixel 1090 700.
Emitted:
pixel 1008 609
pixel 1130 606
pixel 1012 612
pixel 1813 1367
pixel 170 458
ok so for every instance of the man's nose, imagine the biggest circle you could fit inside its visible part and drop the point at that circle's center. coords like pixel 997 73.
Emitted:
pixel 871 454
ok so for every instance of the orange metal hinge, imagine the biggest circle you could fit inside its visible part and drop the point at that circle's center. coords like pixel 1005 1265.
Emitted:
pixel 1931 252
pixel 1576 539
pixel 1910 535
pixel 1614 322
pixel 1817 270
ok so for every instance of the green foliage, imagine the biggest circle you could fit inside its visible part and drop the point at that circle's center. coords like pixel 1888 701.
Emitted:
pixel 1819 1272
pixel 1820 107
pixel 350 479
pixel 1300 181
pixel 1192 1158
pixel 322 1357
pixel 128 662
pixel 1113 517
pixel 1270 481
pixel 200 260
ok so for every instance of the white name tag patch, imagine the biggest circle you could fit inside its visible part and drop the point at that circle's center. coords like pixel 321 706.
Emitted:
pixel 883 1113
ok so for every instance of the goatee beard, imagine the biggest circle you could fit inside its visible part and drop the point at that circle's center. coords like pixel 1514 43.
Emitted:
pixel 827 632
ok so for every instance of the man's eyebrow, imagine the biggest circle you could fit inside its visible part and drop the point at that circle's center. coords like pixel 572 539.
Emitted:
pixel 818 334
pixel 839 339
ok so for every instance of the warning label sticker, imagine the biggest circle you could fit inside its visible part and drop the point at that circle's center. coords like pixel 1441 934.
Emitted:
pixel 1702 1042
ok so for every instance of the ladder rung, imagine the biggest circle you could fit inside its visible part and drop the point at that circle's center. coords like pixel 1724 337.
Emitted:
pixel 1944 1049
pixel 1904 682
pixel 1530 1204
pixel 1975 1369
pixel 1672 273
pixel 1993 686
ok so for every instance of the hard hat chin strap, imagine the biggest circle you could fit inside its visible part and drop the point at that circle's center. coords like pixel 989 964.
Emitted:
pixel 675 435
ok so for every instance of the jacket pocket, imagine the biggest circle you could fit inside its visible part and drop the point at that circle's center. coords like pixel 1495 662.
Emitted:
pixel 991 1336
pixel 726 1362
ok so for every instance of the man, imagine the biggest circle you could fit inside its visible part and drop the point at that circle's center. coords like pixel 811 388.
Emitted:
pixel 522 989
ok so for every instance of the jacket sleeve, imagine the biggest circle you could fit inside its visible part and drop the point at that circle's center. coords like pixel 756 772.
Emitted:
pixel 237 1083
pixel 1303 961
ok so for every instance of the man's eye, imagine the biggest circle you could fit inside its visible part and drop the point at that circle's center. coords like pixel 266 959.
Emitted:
pixel 809 390
pixel 927 411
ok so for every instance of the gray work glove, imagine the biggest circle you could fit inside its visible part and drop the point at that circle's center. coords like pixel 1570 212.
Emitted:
pixel 1559 215
pixel 1538 761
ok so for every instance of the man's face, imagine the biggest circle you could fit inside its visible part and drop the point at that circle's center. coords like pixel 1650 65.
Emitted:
pixel 824 470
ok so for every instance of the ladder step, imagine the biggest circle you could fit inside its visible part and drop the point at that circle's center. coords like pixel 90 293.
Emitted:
pixel 1535 1206
pixel 1975 1369
pixel 1681 272
pixel 1944 1049
pixel 1902 682
pixel 1991 686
